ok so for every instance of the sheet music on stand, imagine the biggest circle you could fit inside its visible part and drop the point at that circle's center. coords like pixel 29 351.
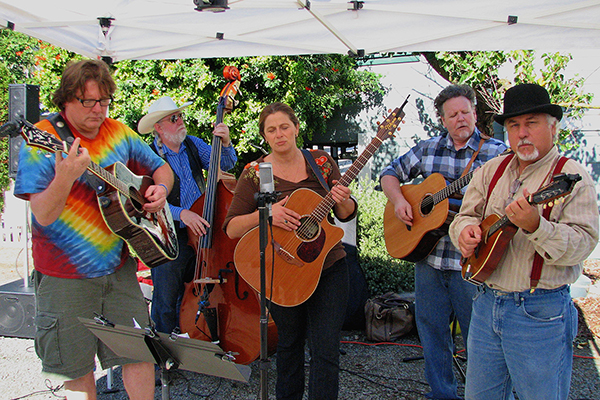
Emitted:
pixel 183 353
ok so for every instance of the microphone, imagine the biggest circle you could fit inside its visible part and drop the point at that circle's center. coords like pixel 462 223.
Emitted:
pixel 265 173
pixel 267 187
pixel 11 128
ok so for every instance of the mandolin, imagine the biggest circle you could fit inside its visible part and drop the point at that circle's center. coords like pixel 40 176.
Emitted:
pixel 497 232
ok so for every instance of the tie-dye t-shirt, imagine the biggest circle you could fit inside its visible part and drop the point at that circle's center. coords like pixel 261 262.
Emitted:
pixel 79 244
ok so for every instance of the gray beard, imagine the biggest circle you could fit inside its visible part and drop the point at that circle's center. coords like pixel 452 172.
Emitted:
pixel 529 157
pixel 177 137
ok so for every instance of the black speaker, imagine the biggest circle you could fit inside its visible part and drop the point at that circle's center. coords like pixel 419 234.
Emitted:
pixel 17 310
pixel 23 102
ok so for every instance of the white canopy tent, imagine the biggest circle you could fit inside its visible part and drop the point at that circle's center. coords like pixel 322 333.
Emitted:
pixel 172 29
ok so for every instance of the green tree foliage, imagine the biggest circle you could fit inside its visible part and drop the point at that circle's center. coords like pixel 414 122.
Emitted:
pixel 318 87
pixel 482 71
pixel 16 66
pixel 382 272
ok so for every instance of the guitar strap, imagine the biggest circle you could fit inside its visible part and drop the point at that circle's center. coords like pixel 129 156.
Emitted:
pixel 474 156
pixel 315 168
pixel 62 129
pixel 538 261
pixel 454 207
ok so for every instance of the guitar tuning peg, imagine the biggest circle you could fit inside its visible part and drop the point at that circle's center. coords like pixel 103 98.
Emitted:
pixel 551 204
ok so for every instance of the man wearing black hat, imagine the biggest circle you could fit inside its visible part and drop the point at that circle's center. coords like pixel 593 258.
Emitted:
pixel 523 321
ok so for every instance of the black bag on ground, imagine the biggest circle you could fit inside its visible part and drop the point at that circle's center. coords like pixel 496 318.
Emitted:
pixel 388 317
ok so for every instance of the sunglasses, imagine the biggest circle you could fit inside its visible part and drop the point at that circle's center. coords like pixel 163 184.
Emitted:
pixel 174 118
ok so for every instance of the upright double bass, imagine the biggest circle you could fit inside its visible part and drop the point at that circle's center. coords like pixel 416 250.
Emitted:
pixel 218 305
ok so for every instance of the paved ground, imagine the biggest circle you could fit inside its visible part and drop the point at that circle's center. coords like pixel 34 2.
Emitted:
pixel 369 370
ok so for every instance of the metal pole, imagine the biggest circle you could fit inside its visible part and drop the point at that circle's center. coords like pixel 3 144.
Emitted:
pixel 263 213
pixel 26 244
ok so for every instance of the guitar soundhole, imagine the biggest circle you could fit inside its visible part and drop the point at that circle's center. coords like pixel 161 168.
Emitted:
pixel 427 205
pixel 309 229
pixel 135 199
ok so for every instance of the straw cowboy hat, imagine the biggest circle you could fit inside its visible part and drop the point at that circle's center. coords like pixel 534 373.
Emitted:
pixel 527 98
pixel 157 111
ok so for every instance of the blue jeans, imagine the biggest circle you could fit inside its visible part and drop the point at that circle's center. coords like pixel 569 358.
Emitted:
pixel 438 296
pixel 168 285
pixel 523 340
pixel 320 318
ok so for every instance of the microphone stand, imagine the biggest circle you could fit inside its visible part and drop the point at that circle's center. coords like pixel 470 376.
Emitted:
pixel 264 210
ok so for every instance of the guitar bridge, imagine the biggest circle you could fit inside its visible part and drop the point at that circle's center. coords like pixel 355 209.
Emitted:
pixel 286 255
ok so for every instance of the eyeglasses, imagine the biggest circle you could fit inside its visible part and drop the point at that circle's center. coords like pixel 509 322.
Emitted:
pixel 90 103
pixel 174 118
pixel 513 190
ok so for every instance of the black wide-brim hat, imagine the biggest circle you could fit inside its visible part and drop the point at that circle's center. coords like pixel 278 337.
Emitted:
pixel 527 98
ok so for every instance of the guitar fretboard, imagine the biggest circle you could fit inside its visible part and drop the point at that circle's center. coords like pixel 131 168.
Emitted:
pixel 385 130
pixel 39 138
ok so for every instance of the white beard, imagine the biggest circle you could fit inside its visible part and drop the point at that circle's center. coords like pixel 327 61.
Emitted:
pixel 531 156
pixel 177 137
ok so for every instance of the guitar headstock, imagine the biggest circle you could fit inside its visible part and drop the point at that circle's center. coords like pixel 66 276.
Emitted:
pixel 389 125
pixel 38 138
pixel 560 186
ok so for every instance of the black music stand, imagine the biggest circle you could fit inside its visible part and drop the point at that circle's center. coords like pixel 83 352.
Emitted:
pixel 169 352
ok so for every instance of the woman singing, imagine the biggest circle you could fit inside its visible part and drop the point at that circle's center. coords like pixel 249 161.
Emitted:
pixel 319 318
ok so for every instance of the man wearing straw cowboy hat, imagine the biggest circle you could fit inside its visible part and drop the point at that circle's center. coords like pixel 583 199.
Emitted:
pixel 188 156
pixel 523 321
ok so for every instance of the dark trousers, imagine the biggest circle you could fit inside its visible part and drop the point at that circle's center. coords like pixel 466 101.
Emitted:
pixel 168 280
pixel 320 320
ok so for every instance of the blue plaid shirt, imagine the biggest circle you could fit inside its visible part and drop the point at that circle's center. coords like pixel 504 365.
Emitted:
pixel 180 164
pixel 438 155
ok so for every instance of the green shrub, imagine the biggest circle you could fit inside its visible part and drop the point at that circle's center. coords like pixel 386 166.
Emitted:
pixel 382 272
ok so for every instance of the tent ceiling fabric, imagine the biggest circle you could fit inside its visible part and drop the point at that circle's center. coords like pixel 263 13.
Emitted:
pixel 172 29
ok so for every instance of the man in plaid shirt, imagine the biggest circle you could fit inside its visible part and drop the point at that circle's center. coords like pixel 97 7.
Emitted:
pixel 440 291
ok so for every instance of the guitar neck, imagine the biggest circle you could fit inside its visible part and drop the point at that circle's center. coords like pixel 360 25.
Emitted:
pixel 452 188
pixel 36 137
pixel 327 203
pixel 110 179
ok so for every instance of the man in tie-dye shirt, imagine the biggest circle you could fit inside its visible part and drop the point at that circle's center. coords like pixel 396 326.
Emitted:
pixel 81 267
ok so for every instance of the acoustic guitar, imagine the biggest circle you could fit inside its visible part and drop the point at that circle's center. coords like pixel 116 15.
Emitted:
pixel 152 236
pixel 431 217
pixel 299 255
pixel 497 232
